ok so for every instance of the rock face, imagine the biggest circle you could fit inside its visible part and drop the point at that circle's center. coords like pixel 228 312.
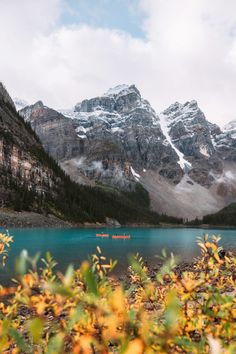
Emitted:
pixel 225 142
pixel 118 139
pixel 191 134
pixel 56 132
pixel 20 150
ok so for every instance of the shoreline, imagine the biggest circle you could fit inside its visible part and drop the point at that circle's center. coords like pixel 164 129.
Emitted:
pixel 27 219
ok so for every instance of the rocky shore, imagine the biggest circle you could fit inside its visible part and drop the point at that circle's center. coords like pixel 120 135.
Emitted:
pixel 9 218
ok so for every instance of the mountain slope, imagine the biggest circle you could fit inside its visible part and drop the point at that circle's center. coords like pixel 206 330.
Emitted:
pixel 31 180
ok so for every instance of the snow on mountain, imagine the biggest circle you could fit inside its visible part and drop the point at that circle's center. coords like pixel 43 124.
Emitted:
pixel 135 174
pixel 19 103
pixel 230 129
pixel 225 141
pixel 184 164
pixel 189 130
pixel 125 89
pixel 114 108
pixel 68 113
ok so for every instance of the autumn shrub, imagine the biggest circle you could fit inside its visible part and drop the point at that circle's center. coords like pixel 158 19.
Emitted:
pixel 87 311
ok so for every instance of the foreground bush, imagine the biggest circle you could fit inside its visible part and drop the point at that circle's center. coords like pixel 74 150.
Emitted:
pixel 85 311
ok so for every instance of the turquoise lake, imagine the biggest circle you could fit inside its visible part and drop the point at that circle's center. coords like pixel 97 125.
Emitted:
pixel 74 245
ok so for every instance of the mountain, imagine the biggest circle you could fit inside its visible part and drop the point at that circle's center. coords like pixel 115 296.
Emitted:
pixel 32 180
pixel 111 132
pixel 186 163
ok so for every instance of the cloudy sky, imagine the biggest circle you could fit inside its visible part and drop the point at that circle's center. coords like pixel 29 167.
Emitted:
pixel 62 51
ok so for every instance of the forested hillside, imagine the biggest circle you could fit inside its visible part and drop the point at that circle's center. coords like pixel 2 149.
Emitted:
pixel 226 216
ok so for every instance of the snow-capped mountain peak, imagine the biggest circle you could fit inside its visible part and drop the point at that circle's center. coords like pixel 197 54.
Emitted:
pixel 122 90
pixel 20 103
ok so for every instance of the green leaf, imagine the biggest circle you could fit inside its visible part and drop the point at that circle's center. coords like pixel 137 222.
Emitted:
pixel 57 288
pixel 163 252
pixel 172 310
pixel 48 257
pixel 69 276
pixel 21 263
pixel 55 344
pixel 21 344
pixel 114 263
pixel 78 314
pixel 89 279
pixel 35 328
pixel 138 268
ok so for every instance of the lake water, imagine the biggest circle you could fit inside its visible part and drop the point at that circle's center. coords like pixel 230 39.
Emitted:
pixel 73 245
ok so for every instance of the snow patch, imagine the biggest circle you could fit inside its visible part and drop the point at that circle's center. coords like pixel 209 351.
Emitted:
pixel 226 177
pixel 135 174
pixel 69 113
pixel 82 129
pixel 204 151
pixel 19 103
pixel 97 165
pixel 117 90
pixel 165 142
pixel 184 164
pixel 230 175
pixel 117 130
pixel 79 162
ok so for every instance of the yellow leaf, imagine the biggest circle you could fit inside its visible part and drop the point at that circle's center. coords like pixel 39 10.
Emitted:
pixel 135 347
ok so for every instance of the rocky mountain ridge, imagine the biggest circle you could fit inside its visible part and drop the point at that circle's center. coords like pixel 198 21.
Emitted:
pixel 118 139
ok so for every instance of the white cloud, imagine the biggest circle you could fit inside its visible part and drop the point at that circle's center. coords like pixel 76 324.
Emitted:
pixel 189 53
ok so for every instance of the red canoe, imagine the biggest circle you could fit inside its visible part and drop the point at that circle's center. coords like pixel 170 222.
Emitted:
pixel 102 235
pixel 121 236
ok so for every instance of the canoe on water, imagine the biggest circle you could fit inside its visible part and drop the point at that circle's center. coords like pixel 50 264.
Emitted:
pixel 121 236
pixel 102 235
